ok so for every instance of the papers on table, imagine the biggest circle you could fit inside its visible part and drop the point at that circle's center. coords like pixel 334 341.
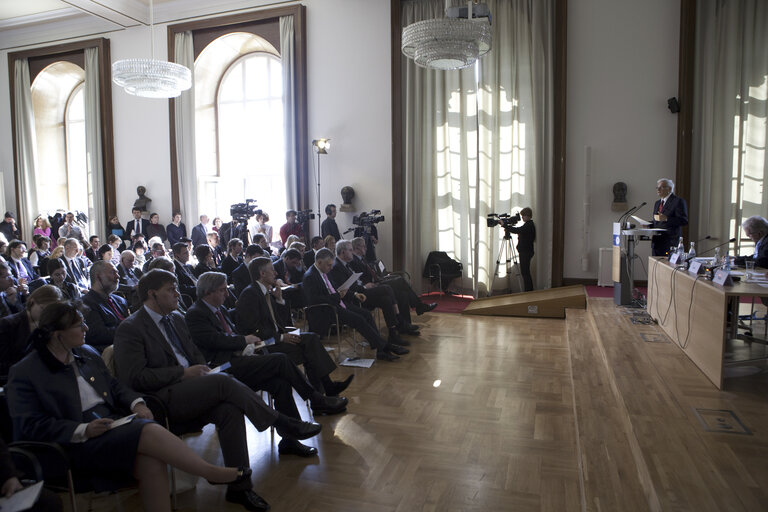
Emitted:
pixel 349 282
pixel 23 499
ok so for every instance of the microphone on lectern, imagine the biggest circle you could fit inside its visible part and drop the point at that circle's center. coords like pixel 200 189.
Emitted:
pixel 630 212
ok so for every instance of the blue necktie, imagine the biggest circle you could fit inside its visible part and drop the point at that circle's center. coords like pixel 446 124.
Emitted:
pixel 173 337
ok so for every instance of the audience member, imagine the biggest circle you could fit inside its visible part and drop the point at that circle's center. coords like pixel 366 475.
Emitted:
pixel 115 242
pixel 291 227
pixel 139 251
pixel 204 256
pixel 240 276
pixel 53 399
pixel 309 256
pixel 218 252
pixel 200 232
pixel 234 258
pixel 47 500
pixel 186 278
pixel 115 228
pixel 216 224
pixel 290 273
pixel 212 330
pixel 105 308
pixel 70 229
pixel 76 271
pixel 329 226
pixel 137 225
pixel 756 229
pixel 16 328
pixel 154 353
pixel 43 227
pixel 319 290
pixel 9 229
pixel 154 228
pixel 262 226
pixel 92 252
pixel 57 276
pixel 330 243
pixel 176 230
pixel 158 251
pixel 39 253
pixel 12 294
pixel 261 311
pixel 43 262
pixel 106 253
pixel 21 267
pixel 261 240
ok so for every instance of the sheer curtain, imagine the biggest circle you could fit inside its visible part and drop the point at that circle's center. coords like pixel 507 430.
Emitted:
pixel 97 215
pixel 730 112
pixel 289 110
pixel 184 120
pixel 26 148
pixel 479 141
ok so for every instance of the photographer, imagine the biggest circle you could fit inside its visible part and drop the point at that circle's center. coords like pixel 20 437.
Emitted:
pixel 526 235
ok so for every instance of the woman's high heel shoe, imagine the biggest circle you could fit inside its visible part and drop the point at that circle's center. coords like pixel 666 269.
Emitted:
pixel 243 474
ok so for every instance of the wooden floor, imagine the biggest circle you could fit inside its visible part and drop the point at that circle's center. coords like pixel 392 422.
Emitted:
pixel 517 414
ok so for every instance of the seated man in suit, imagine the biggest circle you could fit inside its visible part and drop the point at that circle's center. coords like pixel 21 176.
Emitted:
pixel 200 232
pixel 233 258
pixel 129 274
pixel 375 296
pixel 309 256
pixel 241 278
pixel 12 295
pixel 261 311
pixel 289 272
pixel 155 354
pixel 77 274
pixel 21 267
pixel 406 297
pixel 185 275
pixel 213 332
pixel 105 309
pixel 157 251
pixel 92 252
pixel 756 229
pixel 319 290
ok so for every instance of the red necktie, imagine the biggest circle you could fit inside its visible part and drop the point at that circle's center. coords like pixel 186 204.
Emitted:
pixel 224 323
pixel 114 309
pixel 661 205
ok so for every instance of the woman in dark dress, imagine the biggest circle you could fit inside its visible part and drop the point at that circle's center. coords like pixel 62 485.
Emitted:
pixel 62 392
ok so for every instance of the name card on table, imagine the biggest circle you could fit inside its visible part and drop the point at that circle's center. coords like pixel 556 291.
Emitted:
pixel 723 278
pixel 673 258
pixel 694 267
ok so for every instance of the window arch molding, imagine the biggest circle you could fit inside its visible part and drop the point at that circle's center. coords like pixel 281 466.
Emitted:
pixel 264 23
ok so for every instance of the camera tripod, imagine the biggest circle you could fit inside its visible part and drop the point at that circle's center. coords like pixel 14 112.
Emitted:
pixel 507 250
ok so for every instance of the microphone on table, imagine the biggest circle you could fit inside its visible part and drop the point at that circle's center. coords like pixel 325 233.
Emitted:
pixel 705 238
pixel 717 246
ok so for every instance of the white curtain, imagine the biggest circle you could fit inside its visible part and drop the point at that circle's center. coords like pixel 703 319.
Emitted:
pixel 289 111
pixel 97 215
pixel 730 112
pixel 26 148
pixel 185 131
pixel 479 141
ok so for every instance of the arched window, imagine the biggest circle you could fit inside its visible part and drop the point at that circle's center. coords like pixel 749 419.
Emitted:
pixel 78 194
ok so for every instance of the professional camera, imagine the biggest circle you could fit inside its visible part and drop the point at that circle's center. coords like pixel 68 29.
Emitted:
pixel 304 216
pixel 368 218
pixel 241 212
pixel 504 219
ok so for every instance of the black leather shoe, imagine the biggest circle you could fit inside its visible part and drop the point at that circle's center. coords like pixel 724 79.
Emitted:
pixel 386 356
pixel 395 339
pixel 422 308
pixel 337 387
pixel 397 349
pixel 411 329
pixel 329 405
pixel 249 499
pixel 293 447
pixel 295 429
pixel 243 475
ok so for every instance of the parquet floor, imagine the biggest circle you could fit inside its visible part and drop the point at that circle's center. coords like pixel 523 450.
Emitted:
pixel 516 414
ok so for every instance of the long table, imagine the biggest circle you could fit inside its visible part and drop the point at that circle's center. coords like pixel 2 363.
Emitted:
pixel 702 334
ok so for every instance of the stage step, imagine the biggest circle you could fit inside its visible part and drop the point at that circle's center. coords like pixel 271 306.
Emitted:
pixel 549 303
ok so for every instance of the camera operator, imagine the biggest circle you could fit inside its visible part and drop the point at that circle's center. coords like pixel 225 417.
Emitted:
pixel 526 235
pixel 291 226
pixel 329 226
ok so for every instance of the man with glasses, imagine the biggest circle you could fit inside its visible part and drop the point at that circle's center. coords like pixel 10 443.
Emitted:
pixel 670 213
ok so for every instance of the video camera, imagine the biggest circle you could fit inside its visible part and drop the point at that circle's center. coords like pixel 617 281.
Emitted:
pixel 504 219
pixel 241 212
pixel 304 216
pixel 368 218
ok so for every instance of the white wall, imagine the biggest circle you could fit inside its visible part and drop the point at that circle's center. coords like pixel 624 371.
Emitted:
pixel 622 67
pixel 349 101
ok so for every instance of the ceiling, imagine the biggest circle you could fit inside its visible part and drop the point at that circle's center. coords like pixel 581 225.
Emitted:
pixel 31 22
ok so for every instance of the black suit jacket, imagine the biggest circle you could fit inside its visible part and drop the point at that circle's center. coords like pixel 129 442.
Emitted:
pixel 309 258
pixel 131 226
pixel 145 361
pixel 80 264
pixel 676 211
pixel 241 278
pixel 137 273
pixel 360 265
pixel 102 321
pixel 92 255
pixel 340 273
pixel 229 264
pixel 253 314
pixel 329 227
pixel 27 266
pixel 187 281
pixel 315 292
pixel 294 275
pixel 210 336
pixel 44 399
pixel 199 235
pixel 14 341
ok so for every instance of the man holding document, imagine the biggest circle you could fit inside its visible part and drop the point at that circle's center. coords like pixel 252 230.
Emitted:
pixel 670 212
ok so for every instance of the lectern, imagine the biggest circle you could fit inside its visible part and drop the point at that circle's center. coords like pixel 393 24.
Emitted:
pixel 624 241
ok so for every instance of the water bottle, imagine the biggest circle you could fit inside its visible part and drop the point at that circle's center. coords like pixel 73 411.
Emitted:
pixel 727 261
pixel 691 252
pixel 680 251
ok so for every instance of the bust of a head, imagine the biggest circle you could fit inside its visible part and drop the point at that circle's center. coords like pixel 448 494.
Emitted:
pixel 620 192
pixel 347 194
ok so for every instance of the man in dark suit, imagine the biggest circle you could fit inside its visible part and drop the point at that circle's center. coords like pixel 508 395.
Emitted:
pixel 319 290
pixel 11 294
pixel 137 226
pixel 200 232
pixel 105 309
pixel 77 273
pixel 309 256
pixel 241 278
pixel 329 226
pixel 8 227
pixel 262 311
pixel 212 331
pixel 129 278
pixel 187 279
pixel 374 296
pixel 670 212
pixel 154 354
pixel 21 267
pixel 233 258
pixel 289 272
pixel 756 229
pixel 156 251
pixel 92 252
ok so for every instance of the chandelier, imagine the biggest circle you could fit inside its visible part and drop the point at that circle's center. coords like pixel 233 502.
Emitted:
pixel 150 78
pixel 454 42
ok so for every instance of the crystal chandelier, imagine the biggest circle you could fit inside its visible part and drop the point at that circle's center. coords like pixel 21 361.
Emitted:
pixel 453 42
pixel 150 78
